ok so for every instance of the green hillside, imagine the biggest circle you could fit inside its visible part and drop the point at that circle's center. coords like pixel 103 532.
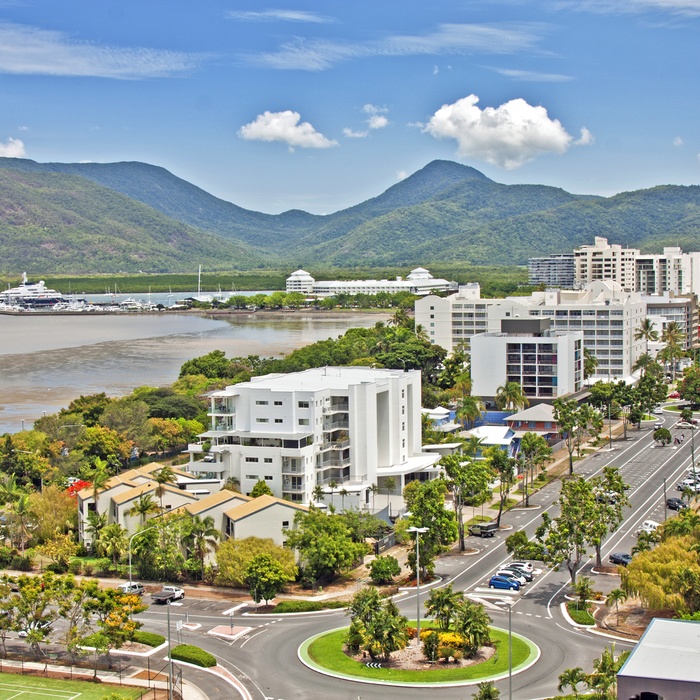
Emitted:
pixel 50 222
pixel 104 217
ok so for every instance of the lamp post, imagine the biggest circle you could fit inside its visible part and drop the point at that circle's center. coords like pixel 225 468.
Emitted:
pixel 170 658
pixel 510 648
pixel 418 531
pixel 665 501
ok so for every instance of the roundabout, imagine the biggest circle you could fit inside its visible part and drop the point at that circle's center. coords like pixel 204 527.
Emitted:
pixel 324 653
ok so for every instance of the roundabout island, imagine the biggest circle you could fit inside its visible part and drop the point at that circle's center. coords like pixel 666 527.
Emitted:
pixel 325 653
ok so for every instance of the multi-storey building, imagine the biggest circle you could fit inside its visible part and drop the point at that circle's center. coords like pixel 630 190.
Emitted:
pixel 547 364
pixel 340 428
pixel 606 314
pixel 683 310
pixel 418 281
pixel 602 261
pixel 672 271
pixel 552 271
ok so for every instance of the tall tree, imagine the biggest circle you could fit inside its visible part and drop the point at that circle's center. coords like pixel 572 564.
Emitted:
pixel 535 452
pixel 511 397
pixel 265 577
pixel 143 507
pixel 565 413
pixel 469 409
pixel 646 331
pixel 201 537
pixel 503 467
pixel 442 604
pixel 163 476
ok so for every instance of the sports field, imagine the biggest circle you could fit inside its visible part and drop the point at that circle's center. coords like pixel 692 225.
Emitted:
pixel 16 687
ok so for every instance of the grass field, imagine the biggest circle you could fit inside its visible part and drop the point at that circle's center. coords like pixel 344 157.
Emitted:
pixel 17 687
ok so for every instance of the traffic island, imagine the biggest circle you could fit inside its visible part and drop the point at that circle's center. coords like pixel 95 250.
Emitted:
pixel 325 653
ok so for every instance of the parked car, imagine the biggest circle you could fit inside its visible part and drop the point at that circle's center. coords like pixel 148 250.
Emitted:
pixel 504 582
pixel 675 504
pixel 167 594
pixel 674 395
pixel 684 425
pixel 688 483
pixel 648 526
pixel 524 565
pixel 35 626
pixel 527 575
pixel 658 424
pixel 510 573
pixel 620 558
pixel 131 588
pixel 658 411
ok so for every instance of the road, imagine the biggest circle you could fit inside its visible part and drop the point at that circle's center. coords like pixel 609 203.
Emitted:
pixel 265 657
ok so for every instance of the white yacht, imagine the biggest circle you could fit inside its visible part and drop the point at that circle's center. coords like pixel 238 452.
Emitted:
pixel 31 294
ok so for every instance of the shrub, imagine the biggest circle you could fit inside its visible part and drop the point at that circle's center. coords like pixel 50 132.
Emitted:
pixel 193 655
pixel 293 606
pixel 431 645
pixel 6 556
pixel 383 569
pixel 76 567
pixel 21 563
pixel 150 639
pixel 88 569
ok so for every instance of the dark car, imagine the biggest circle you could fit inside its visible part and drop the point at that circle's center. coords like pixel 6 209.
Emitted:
pixel 527 575
pixel 675 504
pixel 620 558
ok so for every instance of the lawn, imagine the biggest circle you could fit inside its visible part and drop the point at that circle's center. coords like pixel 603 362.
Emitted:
pixel 17 687
pixel 327 651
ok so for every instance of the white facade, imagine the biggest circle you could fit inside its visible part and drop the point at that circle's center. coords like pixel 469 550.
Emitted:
pixel 602 261
pixel 418 281
pixel 354 426
pixel 546 366
pixel 672 271
pixel 606 314
pixel 552 271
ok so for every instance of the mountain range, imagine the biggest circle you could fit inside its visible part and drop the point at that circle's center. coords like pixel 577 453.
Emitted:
pixel 124 217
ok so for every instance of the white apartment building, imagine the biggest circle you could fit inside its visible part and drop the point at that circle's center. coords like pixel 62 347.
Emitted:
pixel 452 321
pixel 547 364
pixel 607 315
pixel 341 428
pixel 552 271
pixel 665 308
pixel 602 261
pixel 418 281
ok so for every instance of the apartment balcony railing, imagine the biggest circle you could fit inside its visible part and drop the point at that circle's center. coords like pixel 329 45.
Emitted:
pixel 220 408
pixel 336 425
pixel 336 408
pixel 335 445
pixel 292 487
pixel 337 462
pixel 224 426
pixel 292 468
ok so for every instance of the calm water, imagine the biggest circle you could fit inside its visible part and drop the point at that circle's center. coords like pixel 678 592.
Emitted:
pixel 46 361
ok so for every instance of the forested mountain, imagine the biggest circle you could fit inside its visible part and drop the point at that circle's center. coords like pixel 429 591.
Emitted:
pixel 444 212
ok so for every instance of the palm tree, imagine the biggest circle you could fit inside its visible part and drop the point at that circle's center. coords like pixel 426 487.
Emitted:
pixel 590 363
pixel 165 475
pixel 510 396
pixel 332 485
pixel 604 676
pixel 112 542
pixel 673 333
pixel 343 493
pixel 643 363
pixel 571 678
pixel 318 493
pixel 647 331
pixel 22 514
pixel 486 691
pixel 615 597
pixel 10 490
pixel 441 604
pixel 645 542
pixel 472 623
pixel 684 524
pixel 202 538
pixel 144 506
pixel 98 477
pixel 469 409
pixel 95 523
pixel 374 489
pixel 389 486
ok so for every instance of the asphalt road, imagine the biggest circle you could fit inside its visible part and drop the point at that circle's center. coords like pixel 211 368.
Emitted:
pixel 265 658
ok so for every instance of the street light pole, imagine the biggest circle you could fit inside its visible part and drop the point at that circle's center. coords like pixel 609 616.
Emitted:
pixel 665 501
pixel 170 658
pixel 510 652
pixel 417 531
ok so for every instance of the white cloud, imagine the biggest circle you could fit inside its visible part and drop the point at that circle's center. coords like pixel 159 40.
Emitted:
pixel 26 50
pixel 318 55
pixel 349 133
pixel 377 121
pixel 677 7
pixel 436 70
pixel 14 148
pixel 678 141
pixel 22 128
pixel 279 16
pixel 508 136
pixel 284 127
pixel 532 76
pixel 586 138
pixel 401 175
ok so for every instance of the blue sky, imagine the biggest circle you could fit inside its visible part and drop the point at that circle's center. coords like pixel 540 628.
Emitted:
pixel 320 105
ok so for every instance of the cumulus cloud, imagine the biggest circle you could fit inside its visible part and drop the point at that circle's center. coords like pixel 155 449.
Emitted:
pixel 586 138
pixel 284 127
pixel 279 16
pixel 349 133
pixel 26 50
pixel 316 55
pixel 14 148
pixel 678 141
pixel 377 116
pixel 508 136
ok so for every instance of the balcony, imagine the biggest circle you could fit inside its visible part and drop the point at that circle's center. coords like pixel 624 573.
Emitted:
pixel 335 462
pixel 335 445
pixel 292 486
pixel 335 425
pixel 221 407
pixel 224 425
pixel 290 466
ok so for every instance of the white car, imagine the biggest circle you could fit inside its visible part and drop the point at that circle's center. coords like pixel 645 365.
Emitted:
pixel 658 411
pixel 524 565
pixel 684 425
pixel 510 573
pixel 648 526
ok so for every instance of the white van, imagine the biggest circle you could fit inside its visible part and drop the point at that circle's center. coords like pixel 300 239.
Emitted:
pixel 648 526
pixel 131 588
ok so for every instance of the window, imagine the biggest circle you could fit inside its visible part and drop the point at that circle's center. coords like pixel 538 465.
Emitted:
pixel 303 421
pixel 278 403
pixel 251 459
pixel 285 524
pixel 261 403
pixel 262 420
pixel 254 477
pixel 303 404
pixel 268 478
pixel 268 460
pixel 279 420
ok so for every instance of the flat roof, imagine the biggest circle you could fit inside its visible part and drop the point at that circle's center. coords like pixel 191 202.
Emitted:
pixel 668 650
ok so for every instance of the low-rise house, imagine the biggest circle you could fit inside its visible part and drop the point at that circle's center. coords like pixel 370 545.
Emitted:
pixel 537 419
pixel 264 516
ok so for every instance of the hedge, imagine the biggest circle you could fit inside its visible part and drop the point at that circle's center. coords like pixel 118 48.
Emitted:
pixel 296 606
pixel 150 639
pixel 193 655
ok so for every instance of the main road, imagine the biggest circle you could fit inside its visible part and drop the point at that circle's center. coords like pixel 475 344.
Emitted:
pixel 265 657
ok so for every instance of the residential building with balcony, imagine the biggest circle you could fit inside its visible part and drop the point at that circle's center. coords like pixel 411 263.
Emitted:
pixel 552 271
pixel 340 428
pixel 602 261
pixel 546 363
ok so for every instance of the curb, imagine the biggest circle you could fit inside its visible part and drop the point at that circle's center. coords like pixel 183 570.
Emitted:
pixel 568 619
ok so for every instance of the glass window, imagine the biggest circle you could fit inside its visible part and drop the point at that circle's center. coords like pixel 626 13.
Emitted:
pixel 303 404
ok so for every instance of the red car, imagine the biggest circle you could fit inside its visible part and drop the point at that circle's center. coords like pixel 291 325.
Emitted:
pixel 674 395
